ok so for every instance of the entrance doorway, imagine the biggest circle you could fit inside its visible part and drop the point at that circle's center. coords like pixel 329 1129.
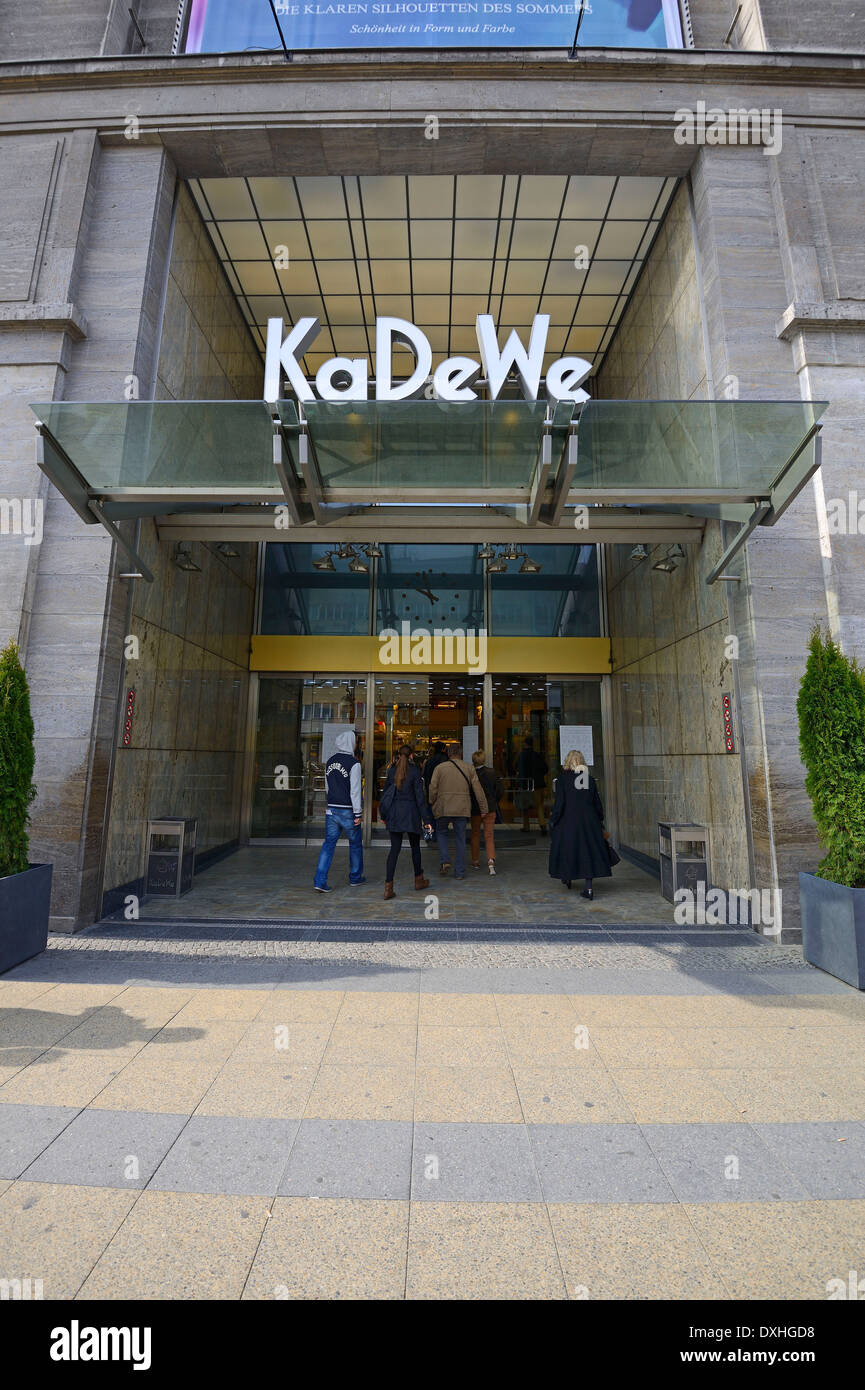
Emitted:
pixel 300 716
pixel 422 712
pixel 533 719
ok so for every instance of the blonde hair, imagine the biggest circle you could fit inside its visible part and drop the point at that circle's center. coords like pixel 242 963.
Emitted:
pixel 479 757
pixel 574 761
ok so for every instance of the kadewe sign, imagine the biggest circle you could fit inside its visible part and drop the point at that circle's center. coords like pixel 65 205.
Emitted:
pixel 348 378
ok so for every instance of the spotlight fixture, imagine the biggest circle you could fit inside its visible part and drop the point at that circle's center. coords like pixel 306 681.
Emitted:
pixel 374 551
pixel 228 551
pixel 639 552
pixel 325 562
pixel 183 559
pixel 498 557
pixel 357 566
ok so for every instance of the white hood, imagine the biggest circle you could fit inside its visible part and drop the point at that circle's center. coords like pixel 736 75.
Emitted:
pixel 345 742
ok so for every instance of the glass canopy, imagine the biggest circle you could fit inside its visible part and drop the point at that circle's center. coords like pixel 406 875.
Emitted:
pixel 136 457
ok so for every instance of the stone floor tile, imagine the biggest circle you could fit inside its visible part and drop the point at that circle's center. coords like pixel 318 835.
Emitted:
pixel 473 1163
pixel 597 1163
pixel 382 1007
pixel 180 1246
pixel 350 1158
pixel 222 1153
pixel 458 1045
pixel 782 1250
pixel 260 1090
pixel 722 1163
pixel 107 1148
pixel 768 1096
pixel 481 1094
pixel 56 1233
pixel 677 1096
pixel 358 1044
pixel 570 1095
pixel 482 1250
pixel 25 1130
pixel 343 1092
pixel 322 1248
pixel 458 1010
pixel 827 1158
pixel 632 1251
pixel 149 1083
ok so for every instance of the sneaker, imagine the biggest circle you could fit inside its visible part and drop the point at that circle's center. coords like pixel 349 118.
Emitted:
pixel 476 866
pixel 444 869
pixel 355 881
pixel 326 889
pixel 491 865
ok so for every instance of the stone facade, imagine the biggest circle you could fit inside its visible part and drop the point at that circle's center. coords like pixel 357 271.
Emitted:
pixel 191 675
pixel 778 276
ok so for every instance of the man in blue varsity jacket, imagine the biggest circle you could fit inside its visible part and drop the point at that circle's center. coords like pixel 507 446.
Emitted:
pixel 343 813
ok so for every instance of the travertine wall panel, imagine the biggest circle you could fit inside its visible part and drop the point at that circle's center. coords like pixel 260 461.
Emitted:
pixel 192 673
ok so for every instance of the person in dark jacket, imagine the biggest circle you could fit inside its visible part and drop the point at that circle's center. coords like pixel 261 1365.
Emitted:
pixel 532 767
pixel 494 790
pixel 578 846
pixel 404 814
pixel 438 754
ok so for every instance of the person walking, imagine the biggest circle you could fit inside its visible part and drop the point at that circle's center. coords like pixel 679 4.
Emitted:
pixel 579 846
pixel 343 813
pixel 532 767
pixel 438 754
pixel 403 810
pixel 451 788
pixel 494 788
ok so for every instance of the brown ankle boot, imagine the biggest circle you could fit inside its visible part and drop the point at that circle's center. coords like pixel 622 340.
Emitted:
pixel 388 891
pixel 420 882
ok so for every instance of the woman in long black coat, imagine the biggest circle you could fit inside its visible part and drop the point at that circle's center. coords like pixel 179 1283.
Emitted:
pixel 404 814
pixel 578 848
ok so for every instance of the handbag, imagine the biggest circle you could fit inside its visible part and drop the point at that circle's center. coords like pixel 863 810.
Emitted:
pixel 386 800
pixel 613 857
pixel 474 808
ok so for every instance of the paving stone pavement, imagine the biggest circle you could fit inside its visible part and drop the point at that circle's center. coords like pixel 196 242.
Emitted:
pixel 234 1112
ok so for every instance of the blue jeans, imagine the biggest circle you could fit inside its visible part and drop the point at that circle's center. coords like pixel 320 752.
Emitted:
pixel 459 825
pixel 335 821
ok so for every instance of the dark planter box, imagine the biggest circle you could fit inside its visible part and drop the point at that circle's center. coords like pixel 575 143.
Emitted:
pixel 25 902
pixel 833 928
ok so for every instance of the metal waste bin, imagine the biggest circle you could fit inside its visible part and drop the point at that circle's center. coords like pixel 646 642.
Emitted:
pixel 684 854
pixel 170 856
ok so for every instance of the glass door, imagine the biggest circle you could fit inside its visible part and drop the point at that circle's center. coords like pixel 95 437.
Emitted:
pixel 299 718
pixel 532 715
pixel 422 712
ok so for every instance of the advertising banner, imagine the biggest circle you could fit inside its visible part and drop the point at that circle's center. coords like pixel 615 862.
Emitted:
pixel 226 26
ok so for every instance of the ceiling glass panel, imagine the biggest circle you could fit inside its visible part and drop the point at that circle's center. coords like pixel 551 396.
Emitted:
pixel 503 244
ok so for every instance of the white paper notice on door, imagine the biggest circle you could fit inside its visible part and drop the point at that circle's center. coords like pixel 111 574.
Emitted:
pixel 470 741
pixel 329 735
pixel 576 736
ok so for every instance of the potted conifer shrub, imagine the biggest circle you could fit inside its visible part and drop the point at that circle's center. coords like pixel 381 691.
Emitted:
pixel 831 709
pixel 25 888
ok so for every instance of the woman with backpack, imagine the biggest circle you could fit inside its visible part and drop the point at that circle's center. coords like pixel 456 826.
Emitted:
pixel 403 809
pixel 494 790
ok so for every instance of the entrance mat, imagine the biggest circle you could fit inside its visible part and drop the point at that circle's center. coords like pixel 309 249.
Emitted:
pixel 294 929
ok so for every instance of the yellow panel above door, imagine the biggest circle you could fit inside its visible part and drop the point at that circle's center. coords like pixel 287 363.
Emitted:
pixel 579 656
